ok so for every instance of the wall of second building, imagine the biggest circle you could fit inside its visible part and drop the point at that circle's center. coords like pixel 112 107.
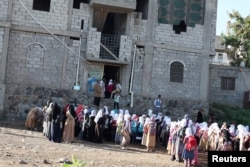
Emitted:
pixel 229 97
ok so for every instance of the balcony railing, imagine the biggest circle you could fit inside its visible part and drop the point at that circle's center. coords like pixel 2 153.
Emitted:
pixel 110 47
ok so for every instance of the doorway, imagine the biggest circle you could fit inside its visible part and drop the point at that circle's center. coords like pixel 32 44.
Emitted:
pixel 110 72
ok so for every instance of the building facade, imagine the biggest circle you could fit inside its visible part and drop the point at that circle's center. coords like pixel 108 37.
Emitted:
pixel 59 48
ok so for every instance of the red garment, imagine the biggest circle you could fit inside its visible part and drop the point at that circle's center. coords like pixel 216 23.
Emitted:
pixel 191 143
pixel 79 109
pixel 66 108
pixel 110 88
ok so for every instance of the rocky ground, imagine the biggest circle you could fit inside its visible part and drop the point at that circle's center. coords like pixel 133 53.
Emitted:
pixel 25 148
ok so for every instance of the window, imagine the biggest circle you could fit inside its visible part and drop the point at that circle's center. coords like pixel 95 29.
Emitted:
pixel 227 83
pixel 176 72
pixel 76 3
pixel 42 5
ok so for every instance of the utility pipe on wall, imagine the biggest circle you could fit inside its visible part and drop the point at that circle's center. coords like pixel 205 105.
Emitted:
pixel 77 86
pixel 132 78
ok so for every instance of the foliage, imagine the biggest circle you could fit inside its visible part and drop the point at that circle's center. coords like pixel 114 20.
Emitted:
pixel 239 37
pixel 75 163
pixel 224 113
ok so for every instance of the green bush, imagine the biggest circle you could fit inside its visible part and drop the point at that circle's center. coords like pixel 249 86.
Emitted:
pixel 224 113
pixel 75 163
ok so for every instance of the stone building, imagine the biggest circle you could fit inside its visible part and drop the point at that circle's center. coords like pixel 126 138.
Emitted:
pixel 58 48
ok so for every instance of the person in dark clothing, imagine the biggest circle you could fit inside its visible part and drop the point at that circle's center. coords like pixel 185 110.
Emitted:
pixel 107 128
pixel 85 124
pixel 56 129
pixel 199 118
pixel 91 127
pixel 99 126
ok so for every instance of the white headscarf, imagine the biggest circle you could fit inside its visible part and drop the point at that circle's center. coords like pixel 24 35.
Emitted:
pixel 203 126
pixel 232 129
pixel 121 111
pixel 85 111
pixel 120 118
pixel 50 108
pixel 127 122
pixel 110 82
pixel 106 110
pixel 115 116
pixel 147 121
pixel 126 112
pixel 99 115
pixel 214 127
pixel 141 120
pixel 167 120
pixel 242 131
pixel 93 113
pixel 188 132
pixel 112 113
pixel 133 116
pixel 184 121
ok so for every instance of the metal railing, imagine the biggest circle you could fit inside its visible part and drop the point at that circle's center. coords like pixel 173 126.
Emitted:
pixel 110 46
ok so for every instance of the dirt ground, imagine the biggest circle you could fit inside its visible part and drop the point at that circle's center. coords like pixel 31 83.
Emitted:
pixel 25 148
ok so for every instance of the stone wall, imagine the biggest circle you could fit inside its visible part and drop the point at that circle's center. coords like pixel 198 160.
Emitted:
pixel 39 59
pixel 138 27
pixel 22 98
pixel 1 40
pixel 78 15
pixel 229 97
pixel 3 9
pixel 57 18
pixel 93 43
pixel 191 39
pixel 160 83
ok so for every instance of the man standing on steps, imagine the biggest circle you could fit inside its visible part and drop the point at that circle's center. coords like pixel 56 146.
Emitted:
pixel 157 105
pixel 97 93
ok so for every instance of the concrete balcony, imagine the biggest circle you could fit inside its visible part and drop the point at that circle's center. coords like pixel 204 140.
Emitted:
pixel 124 6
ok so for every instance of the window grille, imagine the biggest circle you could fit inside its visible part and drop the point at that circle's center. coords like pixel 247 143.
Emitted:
pixel 176 72
pixel 227 83
pixel 112 43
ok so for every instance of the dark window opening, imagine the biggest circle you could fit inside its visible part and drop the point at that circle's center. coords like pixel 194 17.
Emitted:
pixel 142 6
pixel 75 38
pixel 176 72
pixel 211 56
pixel 76 3
pixel 227 83
pixel 42 5
pixel 182 27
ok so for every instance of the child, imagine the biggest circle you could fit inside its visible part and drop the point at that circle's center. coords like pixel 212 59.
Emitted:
pixel 116 100
pixel 189 148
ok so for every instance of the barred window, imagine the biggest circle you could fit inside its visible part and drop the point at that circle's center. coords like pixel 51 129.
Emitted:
pixel 42 5
pixel 176 72
pixel 227 83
